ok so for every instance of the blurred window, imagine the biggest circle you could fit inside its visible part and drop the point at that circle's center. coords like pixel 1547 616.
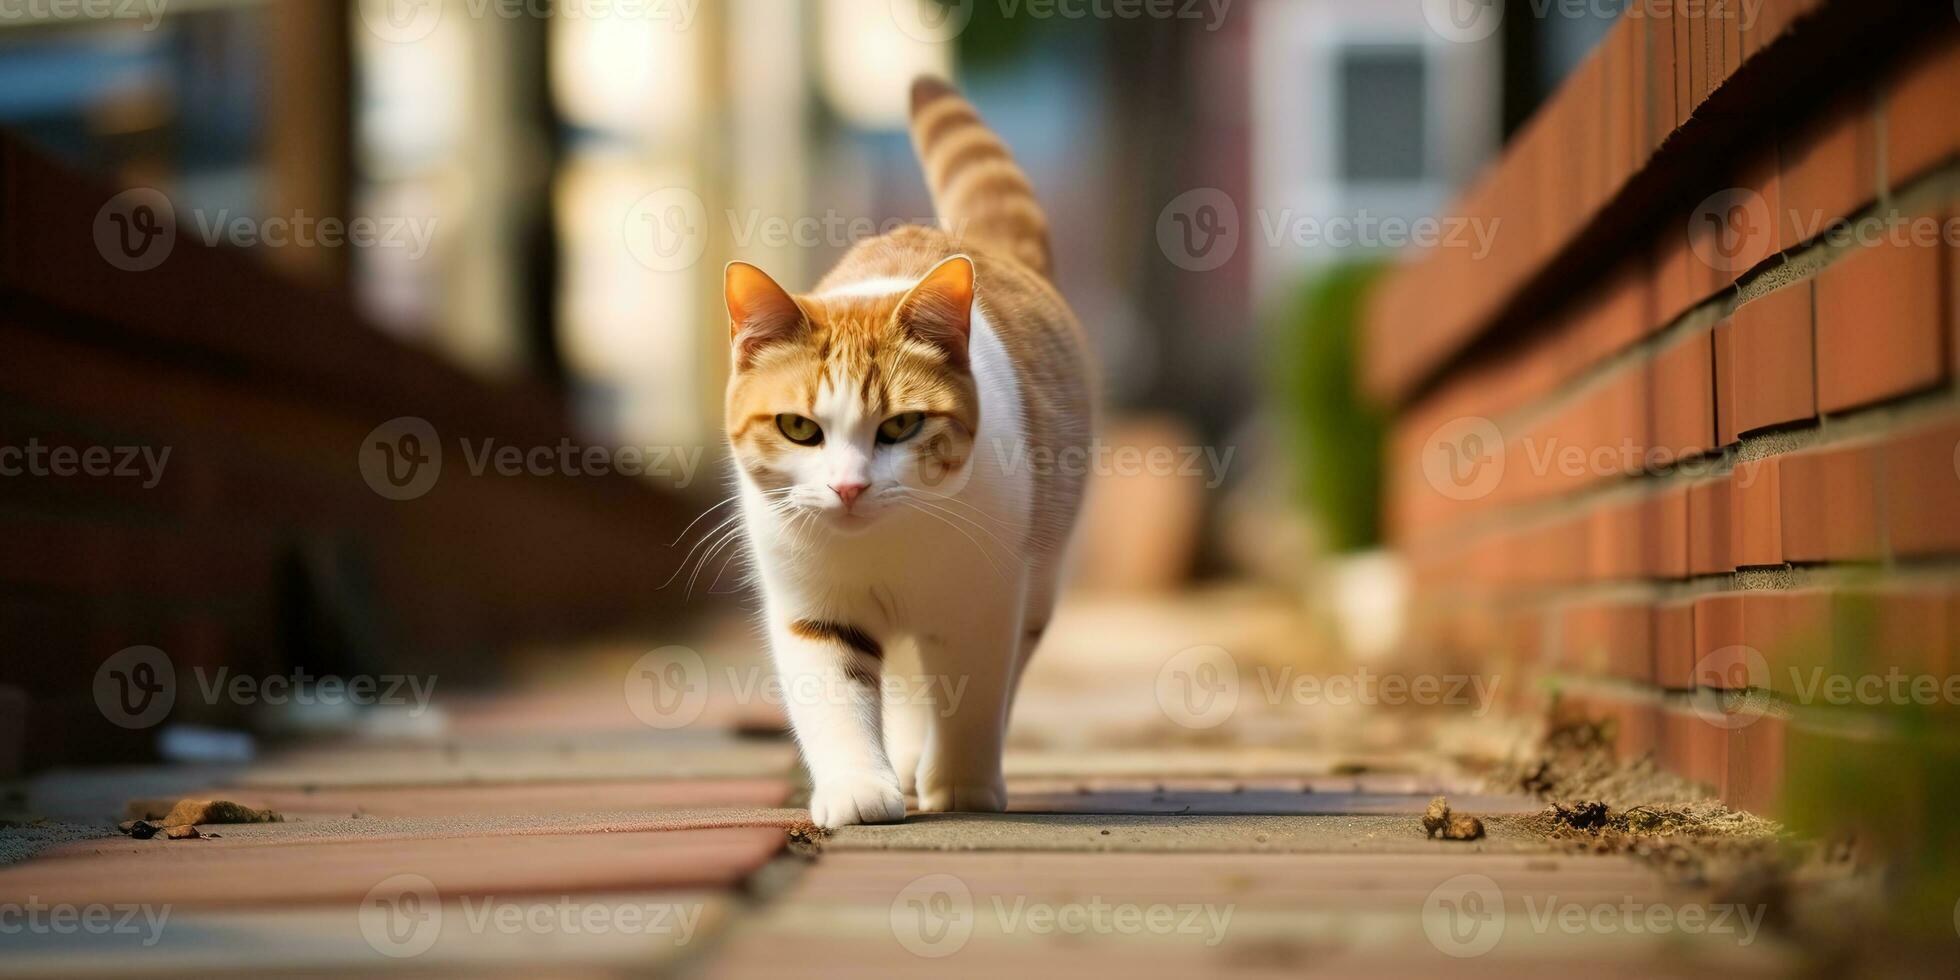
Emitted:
pixel 1383 115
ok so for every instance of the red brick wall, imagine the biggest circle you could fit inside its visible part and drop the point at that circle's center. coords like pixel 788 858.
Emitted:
pixel 1672 437
pixel 262 391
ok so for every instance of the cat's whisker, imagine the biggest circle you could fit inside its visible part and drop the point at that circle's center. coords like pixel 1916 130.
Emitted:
pixel 976 525
pixel 717 506
pixel 697 547
pixel 971 509
pixel 708 556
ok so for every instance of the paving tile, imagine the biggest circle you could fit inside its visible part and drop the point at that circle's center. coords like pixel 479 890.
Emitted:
pixel 596 935
pixel 1255 802
pixel 1170 832
pixel 197 873
pixel 667 756
pixel 1235 915
pixel 507 800
pixel 429 828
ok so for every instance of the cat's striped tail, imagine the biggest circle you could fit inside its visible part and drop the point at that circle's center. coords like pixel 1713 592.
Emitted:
pixel 978 191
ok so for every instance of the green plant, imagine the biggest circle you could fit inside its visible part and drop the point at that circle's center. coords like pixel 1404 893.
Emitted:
pixel 1332 429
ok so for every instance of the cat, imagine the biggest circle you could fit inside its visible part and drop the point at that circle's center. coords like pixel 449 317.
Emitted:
pixel 894 432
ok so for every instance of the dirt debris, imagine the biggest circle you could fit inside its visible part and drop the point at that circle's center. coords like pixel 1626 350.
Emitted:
pixel 178 820
pixel 1439 821
pixel 178 813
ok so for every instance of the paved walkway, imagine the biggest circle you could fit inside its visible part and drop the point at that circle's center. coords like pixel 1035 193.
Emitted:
pixel 554 831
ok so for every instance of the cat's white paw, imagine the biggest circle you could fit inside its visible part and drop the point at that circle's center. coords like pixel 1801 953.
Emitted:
pixel 860 797
pixel 949 798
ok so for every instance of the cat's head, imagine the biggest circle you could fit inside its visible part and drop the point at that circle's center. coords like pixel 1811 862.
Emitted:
pixel 845 405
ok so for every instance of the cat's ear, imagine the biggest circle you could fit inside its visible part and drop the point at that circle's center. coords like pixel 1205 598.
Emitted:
pixel 760 312
pixel 939 310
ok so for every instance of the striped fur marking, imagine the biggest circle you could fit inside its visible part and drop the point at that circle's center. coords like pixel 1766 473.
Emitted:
pixel 844 633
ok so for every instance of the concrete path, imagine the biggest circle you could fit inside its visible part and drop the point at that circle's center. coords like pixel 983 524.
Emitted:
pixel 552 832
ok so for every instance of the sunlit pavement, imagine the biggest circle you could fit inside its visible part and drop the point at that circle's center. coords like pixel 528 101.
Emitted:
pixel 1153 832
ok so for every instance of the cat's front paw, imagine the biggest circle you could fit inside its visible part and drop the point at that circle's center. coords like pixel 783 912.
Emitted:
pixel 860 797
pixel 954 798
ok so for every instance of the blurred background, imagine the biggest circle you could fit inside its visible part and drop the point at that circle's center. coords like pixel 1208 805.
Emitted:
pixel 382 340
pixel 504 156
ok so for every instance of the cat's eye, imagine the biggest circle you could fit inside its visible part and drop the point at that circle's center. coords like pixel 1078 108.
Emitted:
pixel 900 427
pixel 799 430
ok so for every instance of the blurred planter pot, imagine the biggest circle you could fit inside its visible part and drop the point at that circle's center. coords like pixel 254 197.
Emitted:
pixel 1366 595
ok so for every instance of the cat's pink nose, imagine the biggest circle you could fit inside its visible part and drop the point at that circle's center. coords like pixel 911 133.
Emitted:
pixel 848 492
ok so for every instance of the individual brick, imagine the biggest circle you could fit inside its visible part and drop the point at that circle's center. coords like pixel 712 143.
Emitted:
pixel 1794 632
pixel 1756 763
pixel 1717 635
pixel 1757 521
pixel 1710 538
pixel 1674 645
pixel 1665 535
pixel 1922 491
pixel 1683 401
pixel 1879 325
pixel 1921 128
pixel 1723 337
pixel 1772 360
pixel 1830 504
pixel 1829 168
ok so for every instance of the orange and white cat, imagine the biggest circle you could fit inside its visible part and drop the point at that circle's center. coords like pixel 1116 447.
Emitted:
pixel 889 429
